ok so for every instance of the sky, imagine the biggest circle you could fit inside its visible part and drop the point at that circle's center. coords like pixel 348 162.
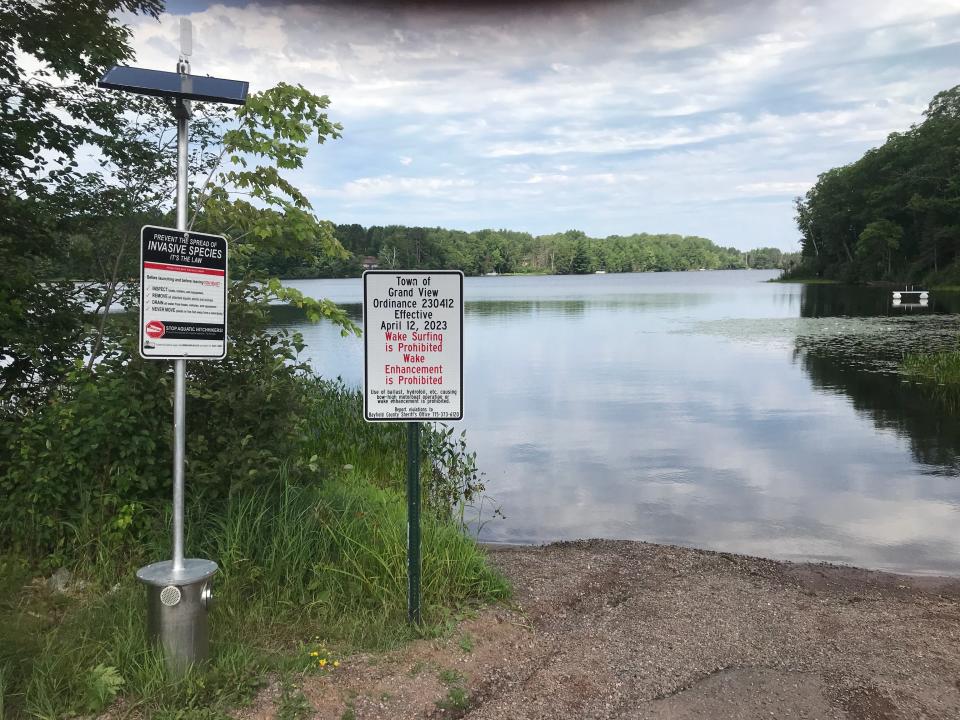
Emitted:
pixel 705 117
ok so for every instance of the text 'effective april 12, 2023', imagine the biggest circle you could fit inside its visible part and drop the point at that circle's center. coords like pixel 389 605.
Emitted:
pixel 413 342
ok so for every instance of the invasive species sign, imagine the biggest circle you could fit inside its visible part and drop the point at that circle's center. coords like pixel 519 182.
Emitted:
pixel 183 294
pixel 413 345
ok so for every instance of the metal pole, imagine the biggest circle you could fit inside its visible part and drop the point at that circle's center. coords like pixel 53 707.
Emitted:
pixel 180 366
pixel 179 443
pixel 179 591
pixel 413 522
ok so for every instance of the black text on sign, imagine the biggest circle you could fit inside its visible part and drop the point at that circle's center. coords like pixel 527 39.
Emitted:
pixel 183 294
pixel 413 341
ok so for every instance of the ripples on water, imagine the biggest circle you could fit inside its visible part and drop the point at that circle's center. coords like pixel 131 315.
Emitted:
pixel 705 409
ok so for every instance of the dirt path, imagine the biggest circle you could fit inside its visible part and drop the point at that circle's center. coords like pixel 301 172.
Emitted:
pixel 608 629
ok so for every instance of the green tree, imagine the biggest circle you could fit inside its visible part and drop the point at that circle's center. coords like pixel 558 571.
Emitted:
pixel 387 258
pixel 51 52
pixel 580 263
pixel 878 242
pixel 912 181
pixel 83 416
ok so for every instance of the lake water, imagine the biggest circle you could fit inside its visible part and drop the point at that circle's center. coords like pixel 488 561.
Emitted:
pixel 709 409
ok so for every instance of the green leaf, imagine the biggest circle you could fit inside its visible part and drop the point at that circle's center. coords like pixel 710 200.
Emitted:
pixel 102 685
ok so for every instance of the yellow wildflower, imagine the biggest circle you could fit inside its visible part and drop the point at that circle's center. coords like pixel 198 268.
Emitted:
pixel 336 663
pixel 314 654
pixel 323 661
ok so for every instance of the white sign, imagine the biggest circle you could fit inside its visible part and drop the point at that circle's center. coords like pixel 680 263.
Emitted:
pixel 413 345
pixel 183 294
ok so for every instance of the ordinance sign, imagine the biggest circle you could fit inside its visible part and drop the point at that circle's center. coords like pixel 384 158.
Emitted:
pixel 413 345
pixel 183 294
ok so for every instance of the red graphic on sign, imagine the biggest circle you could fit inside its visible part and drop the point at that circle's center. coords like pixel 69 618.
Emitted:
pixel 155 329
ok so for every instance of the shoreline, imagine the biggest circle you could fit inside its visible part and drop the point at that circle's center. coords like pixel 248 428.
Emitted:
pixel 826 565
pixel 627 629
pixel 805 281
pixel 586 274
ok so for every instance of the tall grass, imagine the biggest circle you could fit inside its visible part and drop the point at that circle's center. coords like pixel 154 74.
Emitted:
pixel 298 562
pixel 337 554
pixel 938 373
pixel 451 480
pixel 340 436
pixel 318 554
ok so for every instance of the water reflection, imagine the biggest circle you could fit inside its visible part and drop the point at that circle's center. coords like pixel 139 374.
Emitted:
pixel 571 308
pixel 862 363
pixel 488 308
pixel 892 405
pixel 706 409
pixel 848 301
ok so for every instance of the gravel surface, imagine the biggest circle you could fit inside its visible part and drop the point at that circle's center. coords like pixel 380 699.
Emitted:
pixel 617 629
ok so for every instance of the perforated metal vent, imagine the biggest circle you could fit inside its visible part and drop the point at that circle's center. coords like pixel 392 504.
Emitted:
pixel 170 595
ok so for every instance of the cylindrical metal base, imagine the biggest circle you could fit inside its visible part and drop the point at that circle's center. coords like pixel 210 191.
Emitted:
pixel 178 602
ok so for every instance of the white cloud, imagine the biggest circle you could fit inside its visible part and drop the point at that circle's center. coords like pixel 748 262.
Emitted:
pixel 598 142
pixel 720 104
pixel 774 188
pixel 367 187
pixel 584 179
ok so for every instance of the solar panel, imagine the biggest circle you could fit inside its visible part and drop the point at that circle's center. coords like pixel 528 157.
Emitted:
pixel 175 85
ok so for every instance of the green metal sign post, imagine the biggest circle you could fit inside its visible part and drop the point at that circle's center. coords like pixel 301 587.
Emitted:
pixel 413 522
pixel 413 372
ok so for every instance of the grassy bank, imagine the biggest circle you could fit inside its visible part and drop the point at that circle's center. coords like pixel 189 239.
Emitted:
pixel 312 567
pixel 306 569
pixel 938 374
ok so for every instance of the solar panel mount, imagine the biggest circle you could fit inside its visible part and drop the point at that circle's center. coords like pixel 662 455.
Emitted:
pixel 175 85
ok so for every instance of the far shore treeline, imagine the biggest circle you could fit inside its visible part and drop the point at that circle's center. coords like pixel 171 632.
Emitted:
pixel 483 252
pixel 894 214
pixel 480 252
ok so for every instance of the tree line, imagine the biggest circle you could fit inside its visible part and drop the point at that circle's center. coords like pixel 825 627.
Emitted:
pixel 894 214
pixel 326 250
pixel 485 252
